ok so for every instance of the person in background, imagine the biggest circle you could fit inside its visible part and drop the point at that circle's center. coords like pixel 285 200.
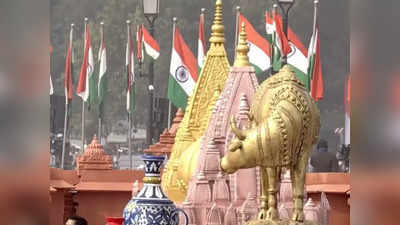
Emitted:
pixel 76 220
pixel 323 161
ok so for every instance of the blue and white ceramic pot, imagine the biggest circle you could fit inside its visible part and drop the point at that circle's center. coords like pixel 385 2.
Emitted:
pixel 151 206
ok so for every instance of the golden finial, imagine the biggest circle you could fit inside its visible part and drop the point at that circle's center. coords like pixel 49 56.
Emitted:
pixel 242 49
pixel 217 29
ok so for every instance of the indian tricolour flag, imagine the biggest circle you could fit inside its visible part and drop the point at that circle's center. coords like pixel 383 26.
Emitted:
pixel 347 114
pixel 68 73
pixel 183 72
pixel 296 58
pixel 201 46
pixel 86 73
pixel 139 43
pixel 102 75
pixel 130 74
pixel 150 44
pixel 259 52
pixel 274 40
pixel 314 68
pixel 280 38
pixel 51 86
pixel 51 82
pixel 269 27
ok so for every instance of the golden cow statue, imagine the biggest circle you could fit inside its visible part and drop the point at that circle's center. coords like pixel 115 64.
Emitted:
pixel 284 125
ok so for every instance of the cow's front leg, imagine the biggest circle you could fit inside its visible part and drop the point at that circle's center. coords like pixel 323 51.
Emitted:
pixel 272 212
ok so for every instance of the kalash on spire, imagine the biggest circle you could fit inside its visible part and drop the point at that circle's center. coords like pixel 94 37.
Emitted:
pixel 242 59
pixel 184 153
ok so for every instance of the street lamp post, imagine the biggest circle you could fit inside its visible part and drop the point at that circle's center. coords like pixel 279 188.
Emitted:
pixel 285 6
pixel 151 10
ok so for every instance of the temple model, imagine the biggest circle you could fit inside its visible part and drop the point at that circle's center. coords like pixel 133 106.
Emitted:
pixel 184 153
pixel 284 125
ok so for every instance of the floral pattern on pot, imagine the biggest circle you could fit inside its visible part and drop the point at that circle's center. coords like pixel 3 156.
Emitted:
pixel 151 206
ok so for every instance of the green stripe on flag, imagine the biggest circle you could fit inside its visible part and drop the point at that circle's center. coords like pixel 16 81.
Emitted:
pixel 132 98
pixel 102 93
pixel 310 70
pixel 301 76
pixel 269 38
pixel 276 59
pixel 176 94
pixel 93 82
pixel 261 75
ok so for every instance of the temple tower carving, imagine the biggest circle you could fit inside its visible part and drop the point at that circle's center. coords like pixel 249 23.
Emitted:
pixel 185 151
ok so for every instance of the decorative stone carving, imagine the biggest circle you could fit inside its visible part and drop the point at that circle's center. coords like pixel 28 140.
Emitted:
pixel 197 114
pixel 230 216
pixel 94 158
pixel 249 209
pixel 203 192
pixel 221 191
pixel 214 217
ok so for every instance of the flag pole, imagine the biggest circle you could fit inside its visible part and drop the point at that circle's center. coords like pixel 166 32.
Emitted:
pixel 66 104
pixel 271 48
pixel 274 10
pixel 100 104
pixel 65 133
pixel 237 27
pixel 174 21
pixel 315 15
pixel 83 104
pixel 312 38
pixel 128 22
pixel 203 10
pixel 129 140
pixel 169 114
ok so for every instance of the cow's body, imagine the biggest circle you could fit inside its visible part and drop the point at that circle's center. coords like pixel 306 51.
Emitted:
pixel 284 125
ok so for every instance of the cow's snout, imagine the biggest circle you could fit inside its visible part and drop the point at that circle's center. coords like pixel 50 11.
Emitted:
pixel 226 166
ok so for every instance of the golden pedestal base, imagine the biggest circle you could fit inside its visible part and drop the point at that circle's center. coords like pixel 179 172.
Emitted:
pixel 280 222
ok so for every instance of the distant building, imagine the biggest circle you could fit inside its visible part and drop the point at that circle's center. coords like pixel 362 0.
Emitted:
pixel 119 136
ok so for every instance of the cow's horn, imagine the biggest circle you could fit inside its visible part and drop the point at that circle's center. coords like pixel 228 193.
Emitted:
pixel 239 133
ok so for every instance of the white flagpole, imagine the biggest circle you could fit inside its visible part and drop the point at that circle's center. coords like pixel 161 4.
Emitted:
pixel 101 52
pixel 203 44
pixel 66 105
pixel 169 114
pixel 274 11
pixel 128 23
pixel 129 140
pixel 313 40
pixel 271 48
pixel 83 103
pixel 315 15
pixel 237 27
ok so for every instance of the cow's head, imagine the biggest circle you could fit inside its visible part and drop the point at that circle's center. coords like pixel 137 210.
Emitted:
pixel 242 150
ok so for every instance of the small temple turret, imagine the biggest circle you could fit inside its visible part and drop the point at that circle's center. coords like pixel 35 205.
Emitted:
pixel 214 216
pixel 311 210
pixel 221 189
pixel 242 59
pixel 94 158
pixel 167 138
pixel 249 209
pixel 230 217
